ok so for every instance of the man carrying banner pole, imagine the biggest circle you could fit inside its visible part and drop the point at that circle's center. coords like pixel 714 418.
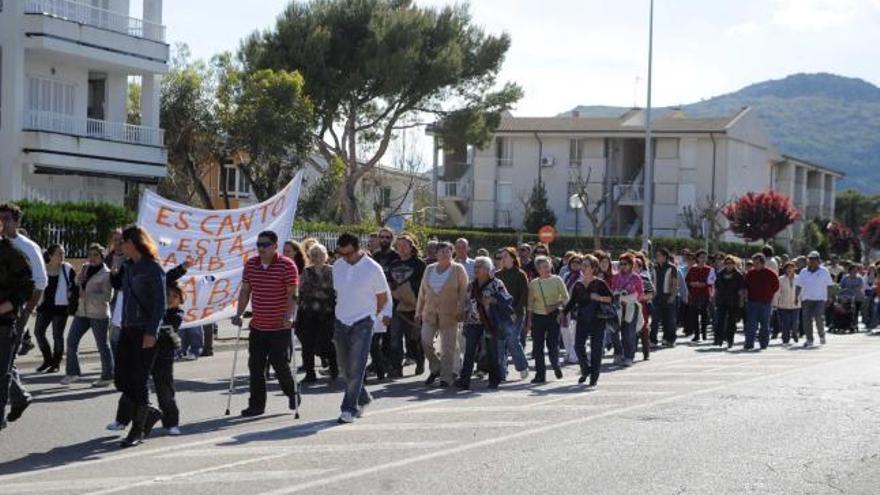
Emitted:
pixel 269 282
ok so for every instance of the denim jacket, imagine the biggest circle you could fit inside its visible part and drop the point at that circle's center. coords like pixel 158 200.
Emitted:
pixel 143 286
pixel 500 313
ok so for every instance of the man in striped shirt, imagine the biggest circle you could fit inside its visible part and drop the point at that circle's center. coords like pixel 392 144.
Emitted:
pixel 270 282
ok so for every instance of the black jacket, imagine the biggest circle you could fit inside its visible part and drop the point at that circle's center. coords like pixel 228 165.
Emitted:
pixel 16 284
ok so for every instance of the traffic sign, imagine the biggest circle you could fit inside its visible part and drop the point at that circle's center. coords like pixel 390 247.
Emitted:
pixel 547 234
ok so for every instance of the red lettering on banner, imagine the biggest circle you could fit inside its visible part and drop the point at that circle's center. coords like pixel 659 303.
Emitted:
pixel 278 207
pixel 162 216
pixel 263 210
pixel 244 221
pixel 215 263
pixel 219 243
pixel 183 244
pixel 237 245
pixel 205 221
pixel 221 287
pixel 226 224
pixel 190 290
pixel 182 223
pixel 170 260
pixel 202 246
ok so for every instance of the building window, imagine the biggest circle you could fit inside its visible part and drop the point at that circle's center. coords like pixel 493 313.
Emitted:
pixel 234 182
pixel 503 151
pixel 505 193
pixel 385 197
pixel 575 152
pixel 666 148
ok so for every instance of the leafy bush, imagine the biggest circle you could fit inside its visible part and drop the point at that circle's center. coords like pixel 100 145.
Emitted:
pixel 73 225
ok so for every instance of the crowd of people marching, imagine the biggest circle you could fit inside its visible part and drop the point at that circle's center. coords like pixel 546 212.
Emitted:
pixel 393 306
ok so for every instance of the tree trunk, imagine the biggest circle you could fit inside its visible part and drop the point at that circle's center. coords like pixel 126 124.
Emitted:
pixel 350 214
pixel 201 190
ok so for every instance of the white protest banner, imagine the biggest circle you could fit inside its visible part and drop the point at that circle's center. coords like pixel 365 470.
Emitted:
pixel 218 242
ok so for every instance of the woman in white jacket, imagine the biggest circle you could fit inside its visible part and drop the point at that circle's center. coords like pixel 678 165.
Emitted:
pixel 787 304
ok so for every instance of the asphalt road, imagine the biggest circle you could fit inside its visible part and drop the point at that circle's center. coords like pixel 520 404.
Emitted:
pixel 691 420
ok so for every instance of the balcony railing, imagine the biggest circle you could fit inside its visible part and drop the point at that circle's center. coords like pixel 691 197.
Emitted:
pixel 504 162
pixel 90 15
pixel 92 128
pixel 455 189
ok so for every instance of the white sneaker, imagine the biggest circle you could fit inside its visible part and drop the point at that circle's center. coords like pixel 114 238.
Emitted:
pixel 116 426
pixel 345 418
pixel 822 340
pixel 101 383
pixel 360 413
pixel 69 379
pixel 524 374
pixel 174 431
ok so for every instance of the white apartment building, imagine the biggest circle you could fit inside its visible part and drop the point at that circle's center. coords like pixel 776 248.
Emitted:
pixel 697 160
pixel 65 68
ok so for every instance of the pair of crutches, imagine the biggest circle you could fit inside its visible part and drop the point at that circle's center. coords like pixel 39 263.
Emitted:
pixel 296 394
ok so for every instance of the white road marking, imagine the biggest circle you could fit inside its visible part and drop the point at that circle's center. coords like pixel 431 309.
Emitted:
pixel 305 448
pixel 512 409
pixel 173 477
pixel 458 425
pixel 538 430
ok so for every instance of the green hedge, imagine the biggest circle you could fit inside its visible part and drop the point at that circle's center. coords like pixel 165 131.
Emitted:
pixel 73 225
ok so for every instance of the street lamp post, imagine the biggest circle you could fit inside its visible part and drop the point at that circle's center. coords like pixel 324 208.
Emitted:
pixel 648 222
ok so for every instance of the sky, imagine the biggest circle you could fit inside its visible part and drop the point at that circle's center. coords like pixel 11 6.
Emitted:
pixel 594 52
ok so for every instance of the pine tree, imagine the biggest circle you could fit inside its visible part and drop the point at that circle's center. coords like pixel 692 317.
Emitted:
pixel 538 212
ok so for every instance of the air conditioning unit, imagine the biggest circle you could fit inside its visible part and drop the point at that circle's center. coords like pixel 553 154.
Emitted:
pixel 548 161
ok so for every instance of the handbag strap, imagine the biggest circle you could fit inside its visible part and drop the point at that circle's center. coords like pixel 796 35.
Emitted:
pixel 543 297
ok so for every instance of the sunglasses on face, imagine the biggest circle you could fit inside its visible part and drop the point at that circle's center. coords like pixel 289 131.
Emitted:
pixel 264 244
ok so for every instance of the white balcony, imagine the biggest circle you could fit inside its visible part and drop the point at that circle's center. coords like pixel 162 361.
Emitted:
pixel 36 120
pixel 454 189
pixel 89 15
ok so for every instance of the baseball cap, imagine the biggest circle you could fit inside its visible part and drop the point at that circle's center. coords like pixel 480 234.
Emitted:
pixel 814 255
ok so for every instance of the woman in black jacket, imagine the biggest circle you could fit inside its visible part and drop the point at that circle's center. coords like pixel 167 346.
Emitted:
pixel 586 297
pixel 730 296
pixel 143 290
pixel 58 299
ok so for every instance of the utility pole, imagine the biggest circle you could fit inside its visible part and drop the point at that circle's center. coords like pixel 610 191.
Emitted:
pixel 648 210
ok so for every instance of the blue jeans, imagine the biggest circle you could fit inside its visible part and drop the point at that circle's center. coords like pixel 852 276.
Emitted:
pixel 352 349
pixel 757 315
pixel 788 323
pixel 99 328
pixel 192 340
pixel 513 346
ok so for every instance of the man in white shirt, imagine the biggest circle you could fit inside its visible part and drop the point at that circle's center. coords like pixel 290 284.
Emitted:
pixel 361 295
pixel 812 289
pixel 10 220
pixel 462 248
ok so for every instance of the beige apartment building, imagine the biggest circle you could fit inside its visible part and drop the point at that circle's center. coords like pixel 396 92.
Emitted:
pixel 697 160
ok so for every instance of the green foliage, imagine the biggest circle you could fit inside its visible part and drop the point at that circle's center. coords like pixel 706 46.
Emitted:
pixel 853 209
pixel 538 212
pixel 374 65
pixel 813 238
pixel 271 122
pixel 133 104
pixel 320 202
pixel 74 225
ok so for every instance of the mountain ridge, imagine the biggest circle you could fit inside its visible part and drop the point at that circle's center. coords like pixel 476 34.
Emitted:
pixel 821 117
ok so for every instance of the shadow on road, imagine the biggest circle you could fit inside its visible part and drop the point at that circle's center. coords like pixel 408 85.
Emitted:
pixel 94 448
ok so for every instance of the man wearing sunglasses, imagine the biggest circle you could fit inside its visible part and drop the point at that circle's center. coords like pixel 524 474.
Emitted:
pixel 361 295
pixel 270 283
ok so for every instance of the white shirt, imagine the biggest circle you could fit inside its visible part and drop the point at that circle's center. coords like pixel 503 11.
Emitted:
pixel 32 252
pixel 64 275
pixel 437 280
pixel 814 285
pixel 469 265
pixel 116 318
pixel 356 289
pixel 378 326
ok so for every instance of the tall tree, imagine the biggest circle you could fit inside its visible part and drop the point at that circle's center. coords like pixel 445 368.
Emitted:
pixel 870 234
pixel 760 216
pixel 853 208
pixel 191 130
pixel 267 120
pixel 375 67
pixel 597 202
pixel 538 212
